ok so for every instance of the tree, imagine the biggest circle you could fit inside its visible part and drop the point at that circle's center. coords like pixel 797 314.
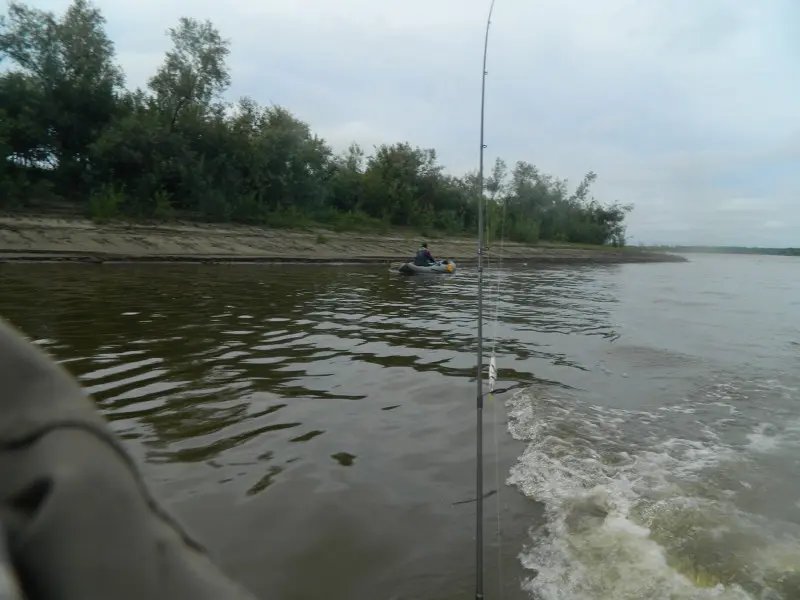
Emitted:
pixel 194 71
pixel 70 131
pixel 496 183
pixel 27 139
pixel 346 182
pixel 67 67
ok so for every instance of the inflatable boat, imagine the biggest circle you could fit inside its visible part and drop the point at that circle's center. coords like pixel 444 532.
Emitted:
pixel 440 267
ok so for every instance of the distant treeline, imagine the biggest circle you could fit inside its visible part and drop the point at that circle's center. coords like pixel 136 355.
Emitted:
pixel 72 136
pixel 730 250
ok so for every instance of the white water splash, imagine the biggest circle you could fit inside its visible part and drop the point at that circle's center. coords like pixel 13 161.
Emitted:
pixel 632 513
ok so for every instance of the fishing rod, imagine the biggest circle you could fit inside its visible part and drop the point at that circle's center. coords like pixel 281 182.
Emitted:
pixel 479 444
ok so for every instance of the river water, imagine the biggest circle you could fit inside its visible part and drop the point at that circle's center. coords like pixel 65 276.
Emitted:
pixel 315 426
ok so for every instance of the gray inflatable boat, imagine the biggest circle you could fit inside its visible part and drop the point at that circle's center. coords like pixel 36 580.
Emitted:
pixel 440 267
pixel 77 519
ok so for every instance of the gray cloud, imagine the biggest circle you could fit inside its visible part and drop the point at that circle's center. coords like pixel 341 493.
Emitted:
pixel 685 108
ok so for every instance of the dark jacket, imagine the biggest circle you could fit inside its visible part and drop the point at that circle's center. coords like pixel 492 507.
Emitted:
pixel 423 258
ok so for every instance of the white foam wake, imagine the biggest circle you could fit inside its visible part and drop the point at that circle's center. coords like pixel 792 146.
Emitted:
pixel 635 512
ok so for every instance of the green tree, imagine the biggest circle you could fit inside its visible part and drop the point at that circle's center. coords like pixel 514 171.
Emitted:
pixel 194 72
pixel 69 64
pixel 70 132
pixel 346 182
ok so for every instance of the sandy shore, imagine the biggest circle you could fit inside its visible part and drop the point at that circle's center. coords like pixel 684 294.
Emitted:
pixel 40 239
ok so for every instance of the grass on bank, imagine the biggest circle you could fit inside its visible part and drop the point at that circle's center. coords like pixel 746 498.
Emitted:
pixel 108 202
pixel 104 208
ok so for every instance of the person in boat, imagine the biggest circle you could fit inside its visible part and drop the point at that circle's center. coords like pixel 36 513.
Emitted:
pixel 77 520
pixel 424 257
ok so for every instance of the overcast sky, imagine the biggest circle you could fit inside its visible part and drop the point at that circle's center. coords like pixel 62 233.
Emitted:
pixel 687 108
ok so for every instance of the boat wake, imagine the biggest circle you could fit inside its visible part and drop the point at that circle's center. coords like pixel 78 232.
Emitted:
pixel 668 504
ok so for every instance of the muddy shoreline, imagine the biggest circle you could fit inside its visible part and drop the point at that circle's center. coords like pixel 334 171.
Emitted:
pixel 50 239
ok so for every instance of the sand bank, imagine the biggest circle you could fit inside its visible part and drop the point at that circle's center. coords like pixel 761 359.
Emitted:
pixel 48 239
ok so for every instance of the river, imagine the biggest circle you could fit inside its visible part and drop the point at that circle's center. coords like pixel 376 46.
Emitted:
pixel 315 426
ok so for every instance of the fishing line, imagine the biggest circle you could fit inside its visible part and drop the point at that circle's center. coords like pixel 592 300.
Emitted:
pixel 484 231
pixel 496 267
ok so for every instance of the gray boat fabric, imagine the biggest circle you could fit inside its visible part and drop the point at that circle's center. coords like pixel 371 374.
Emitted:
pixel 79 521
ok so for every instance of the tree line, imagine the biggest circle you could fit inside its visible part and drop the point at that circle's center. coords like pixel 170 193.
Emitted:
pixel 72 136
pixel 730 250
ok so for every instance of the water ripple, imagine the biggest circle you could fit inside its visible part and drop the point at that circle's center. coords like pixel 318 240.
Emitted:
pixel 162 347
pixel 270 380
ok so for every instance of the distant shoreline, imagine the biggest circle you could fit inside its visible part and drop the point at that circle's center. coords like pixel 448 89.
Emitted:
pixel 51 239
pixel 753 250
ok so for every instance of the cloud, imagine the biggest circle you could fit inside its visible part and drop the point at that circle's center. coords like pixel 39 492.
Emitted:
pixel 684 108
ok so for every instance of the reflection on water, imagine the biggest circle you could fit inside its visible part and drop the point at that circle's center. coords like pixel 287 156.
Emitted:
pixel 331 409
pixel 194 361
